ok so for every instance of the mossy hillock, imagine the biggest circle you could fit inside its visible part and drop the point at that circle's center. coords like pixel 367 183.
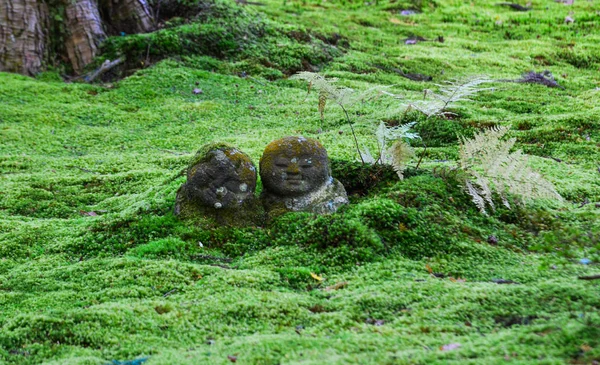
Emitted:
pixel 94 266
pixel 201 32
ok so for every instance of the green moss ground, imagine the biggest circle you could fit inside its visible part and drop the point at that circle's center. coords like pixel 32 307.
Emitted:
pixel 95 268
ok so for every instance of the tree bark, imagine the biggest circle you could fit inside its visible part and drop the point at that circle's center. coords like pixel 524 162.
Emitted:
pixel 25 28
pixel 23 36
pixel 128 16
pixel 84 32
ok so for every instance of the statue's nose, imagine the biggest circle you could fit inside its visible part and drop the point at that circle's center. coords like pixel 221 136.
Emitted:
pixel 293 169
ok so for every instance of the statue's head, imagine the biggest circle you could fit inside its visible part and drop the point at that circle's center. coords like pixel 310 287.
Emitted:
pixel 221 176
pixel 294 166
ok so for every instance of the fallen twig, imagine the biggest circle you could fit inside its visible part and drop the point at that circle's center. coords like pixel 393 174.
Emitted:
pixel 214 258
pixel 515 6
pixel 107 65
pixel 585 202
pixel 244 2
pixel 169 292
pixel 410 76
pixel 504 281
pixel 554 158
pixel 81 168
pixel 337 286
pixel 531 77
pixel 590 277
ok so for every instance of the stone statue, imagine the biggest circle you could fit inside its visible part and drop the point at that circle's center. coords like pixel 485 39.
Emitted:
pixel 220 185
pixel 296 177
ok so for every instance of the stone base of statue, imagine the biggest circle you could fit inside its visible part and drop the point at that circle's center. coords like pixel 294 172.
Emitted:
pixel 326 200
pixel 249 213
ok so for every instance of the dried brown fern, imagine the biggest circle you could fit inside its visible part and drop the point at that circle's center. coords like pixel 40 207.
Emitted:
pixel 494 169
pixel 400 155
pixel 448 95
pixel 322 103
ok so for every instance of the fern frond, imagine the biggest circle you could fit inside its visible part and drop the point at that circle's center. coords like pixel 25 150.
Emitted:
pixel 322 103
pixel 380 134
pixel 476 197
pixel 325 87
pixel 314 78
pixel 374 93
pixel 366 156
pixel 494 168
pixel 343 96
pixel 453 92
pixel 428 107
pixel 401 131
pixel 485 191
pixel 400 154
pixel 461 89
pixel 484 147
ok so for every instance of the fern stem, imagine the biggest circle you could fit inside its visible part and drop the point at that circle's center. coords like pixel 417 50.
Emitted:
pixel 425 135
pixel 380 151
pixel 422 155
pixel 353 134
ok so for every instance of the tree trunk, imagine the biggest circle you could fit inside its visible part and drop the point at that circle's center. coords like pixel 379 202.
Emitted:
pixel 23 36
pixel 25 25
pixel 84 32
pixel 128 16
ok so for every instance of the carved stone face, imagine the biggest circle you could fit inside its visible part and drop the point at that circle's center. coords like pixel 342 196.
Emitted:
pixel 222 179
pixel 294 166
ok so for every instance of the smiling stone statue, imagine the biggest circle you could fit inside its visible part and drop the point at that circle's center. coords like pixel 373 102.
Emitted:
pixel 220 185
pixel 296 177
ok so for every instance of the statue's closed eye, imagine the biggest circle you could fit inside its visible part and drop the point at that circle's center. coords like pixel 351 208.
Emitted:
pixel 281 165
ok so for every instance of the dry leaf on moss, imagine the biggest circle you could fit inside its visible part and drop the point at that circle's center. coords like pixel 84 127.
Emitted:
pixel 316 277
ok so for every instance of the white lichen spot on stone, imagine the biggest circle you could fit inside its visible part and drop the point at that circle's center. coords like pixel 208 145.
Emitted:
pixel 243 187
pixel 221 191
pixel 218 205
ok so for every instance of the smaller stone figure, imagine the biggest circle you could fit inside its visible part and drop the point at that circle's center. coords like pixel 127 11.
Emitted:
pixel 220 185
pixel 296 177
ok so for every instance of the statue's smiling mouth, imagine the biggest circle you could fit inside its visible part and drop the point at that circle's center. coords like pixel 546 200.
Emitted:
pixel 294 180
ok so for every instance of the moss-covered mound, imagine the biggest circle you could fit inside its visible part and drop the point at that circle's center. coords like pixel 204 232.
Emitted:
pixel 224 30
pixel 95 268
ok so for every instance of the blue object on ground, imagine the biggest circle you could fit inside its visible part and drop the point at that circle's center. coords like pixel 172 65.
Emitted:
pixel 130 362
pixel 407 12
pixel 585 261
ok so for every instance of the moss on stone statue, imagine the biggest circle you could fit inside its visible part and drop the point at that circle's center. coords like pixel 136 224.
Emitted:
pixel 220 186
pixel 296 177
